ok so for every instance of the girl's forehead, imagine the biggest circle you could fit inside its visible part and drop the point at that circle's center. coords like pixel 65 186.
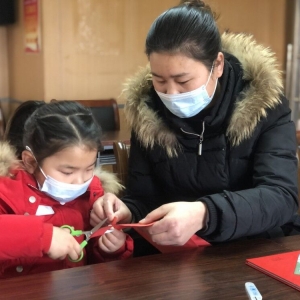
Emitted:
pixel 76 149
pixel 80 156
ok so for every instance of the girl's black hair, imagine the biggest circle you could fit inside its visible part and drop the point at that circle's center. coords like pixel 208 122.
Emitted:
pixel 14 129
pixel 58 125
pixel 188 28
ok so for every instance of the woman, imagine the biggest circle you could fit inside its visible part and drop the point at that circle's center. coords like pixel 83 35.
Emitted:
pixel 213 145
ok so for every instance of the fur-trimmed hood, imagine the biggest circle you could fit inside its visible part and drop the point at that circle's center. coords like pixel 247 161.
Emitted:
pixel 9 163
pixel 260 68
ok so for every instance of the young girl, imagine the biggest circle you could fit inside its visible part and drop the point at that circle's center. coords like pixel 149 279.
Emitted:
pixel 55 186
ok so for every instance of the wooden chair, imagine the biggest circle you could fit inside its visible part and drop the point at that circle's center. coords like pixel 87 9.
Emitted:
pixel 106 113
pixel 121 152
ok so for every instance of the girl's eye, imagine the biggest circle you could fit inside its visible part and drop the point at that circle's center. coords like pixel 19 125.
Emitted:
pixel 91 168
pixel 183 82
pixel 67 173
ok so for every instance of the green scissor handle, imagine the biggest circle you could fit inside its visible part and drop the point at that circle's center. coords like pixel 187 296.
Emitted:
pixel 72 230
pixel 76 233
pixel 78 259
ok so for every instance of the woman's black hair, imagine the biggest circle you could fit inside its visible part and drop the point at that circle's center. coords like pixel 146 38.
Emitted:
pixel 58 125
pixel 14 129
pixel 188 28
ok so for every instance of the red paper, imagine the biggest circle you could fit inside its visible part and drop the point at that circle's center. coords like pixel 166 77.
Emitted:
pixel 279 266
pixel 193 242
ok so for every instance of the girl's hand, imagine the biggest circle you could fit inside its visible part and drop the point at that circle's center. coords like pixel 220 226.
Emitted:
pixel 176 222
pixel 109 206
pixel 63 244
pixel 113 241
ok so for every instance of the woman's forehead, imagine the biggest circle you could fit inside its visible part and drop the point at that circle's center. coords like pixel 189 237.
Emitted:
pixel 174 64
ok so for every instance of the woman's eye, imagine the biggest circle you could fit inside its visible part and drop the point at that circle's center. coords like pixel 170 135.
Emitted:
pixel 160 81
pixel 183 82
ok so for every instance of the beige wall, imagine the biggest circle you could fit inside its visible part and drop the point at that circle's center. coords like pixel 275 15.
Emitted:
pixel 26 70
pixel 4 83
pixel 4 87
pixel 89 47
pixel 265 19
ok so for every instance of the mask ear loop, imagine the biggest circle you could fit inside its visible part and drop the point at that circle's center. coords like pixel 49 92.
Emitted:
pixel 211 71
pixel 28 148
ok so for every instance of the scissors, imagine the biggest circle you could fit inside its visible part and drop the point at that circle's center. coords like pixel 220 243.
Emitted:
pixel 87 234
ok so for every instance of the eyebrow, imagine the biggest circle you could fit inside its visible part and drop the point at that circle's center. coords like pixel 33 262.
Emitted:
pixel 172 76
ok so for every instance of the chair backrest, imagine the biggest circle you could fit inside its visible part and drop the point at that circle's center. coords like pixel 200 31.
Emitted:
pixel 106 112
pixel 121 152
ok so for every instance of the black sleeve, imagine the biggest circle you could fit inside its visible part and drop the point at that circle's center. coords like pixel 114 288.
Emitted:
pixel 273 200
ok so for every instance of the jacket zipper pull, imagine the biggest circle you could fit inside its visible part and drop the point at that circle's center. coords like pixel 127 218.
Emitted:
pixel 200 145
pixel 201 139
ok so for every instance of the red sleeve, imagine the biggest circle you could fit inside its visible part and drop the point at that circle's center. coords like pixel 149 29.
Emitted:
pixel 47 237
pixel 96 255
pixel 24 236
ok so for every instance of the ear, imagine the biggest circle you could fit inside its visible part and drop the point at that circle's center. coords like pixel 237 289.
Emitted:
pixel 29 161
pixel 219 65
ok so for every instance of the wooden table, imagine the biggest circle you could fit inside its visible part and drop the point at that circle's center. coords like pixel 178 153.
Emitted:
pixel 217 272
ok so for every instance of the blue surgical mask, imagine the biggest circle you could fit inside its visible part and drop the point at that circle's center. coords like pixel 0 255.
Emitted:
pixel 60 191
pixel 186 105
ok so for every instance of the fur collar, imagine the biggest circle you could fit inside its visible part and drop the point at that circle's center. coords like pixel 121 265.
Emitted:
pixel 260 68
pixel 9 163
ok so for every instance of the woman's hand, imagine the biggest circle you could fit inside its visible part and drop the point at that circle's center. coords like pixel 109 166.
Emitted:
pixel 176 222
pixel 113 241
pixel 63 244
pixel 109 206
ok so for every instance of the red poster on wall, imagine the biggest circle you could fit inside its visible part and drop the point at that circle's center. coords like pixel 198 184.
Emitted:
pixel 31 26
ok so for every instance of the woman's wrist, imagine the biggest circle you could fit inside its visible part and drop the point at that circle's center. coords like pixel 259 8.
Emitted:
pixel 203 216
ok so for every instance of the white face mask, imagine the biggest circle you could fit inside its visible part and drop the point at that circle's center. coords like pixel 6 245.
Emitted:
pixel 186 105
pixel 63 192
pixel 60 191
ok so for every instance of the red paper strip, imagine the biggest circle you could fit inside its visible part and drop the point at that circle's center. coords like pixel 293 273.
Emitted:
pixel 113 224
pixel 194 242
